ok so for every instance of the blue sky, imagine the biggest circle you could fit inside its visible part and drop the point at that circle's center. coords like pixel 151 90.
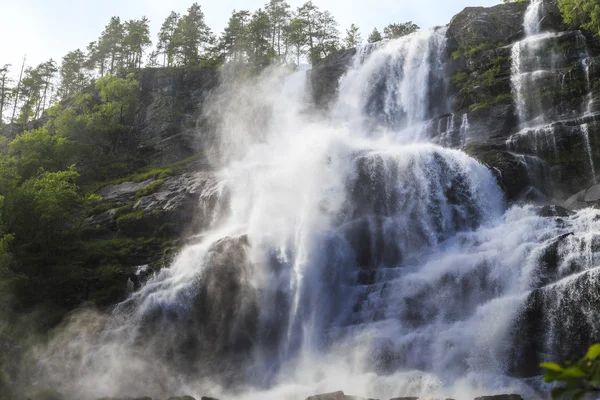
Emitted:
pixel 45 29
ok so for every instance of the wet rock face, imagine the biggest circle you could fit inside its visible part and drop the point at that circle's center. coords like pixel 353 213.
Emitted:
pixel 170 124
pixel 215 332
pixel 192 200
pixel 335 396
pixel 520 178
pixel 501 397
pixel 499 24
pixel 324 77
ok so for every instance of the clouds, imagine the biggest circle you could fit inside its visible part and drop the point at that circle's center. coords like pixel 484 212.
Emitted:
pixel 50 28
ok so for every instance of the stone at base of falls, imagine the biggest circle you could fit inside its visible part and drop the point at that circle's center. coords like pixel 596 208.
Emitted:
pixel 586 198
pixel 335 396
pixel 592 194
pixel 554 211
pixel 501 397
pixel 189 398
pixel 128 398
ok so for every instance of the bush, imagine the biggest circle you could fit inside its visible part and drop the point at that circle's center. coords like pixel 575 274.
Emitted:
pixel 576 379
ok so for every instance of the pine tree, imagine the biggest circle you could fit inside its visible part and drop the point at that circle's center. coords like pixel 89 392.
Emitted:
pixel 166 44
pixel 96 58
pixel 297 38
pixel 394 31
pixel 46 71
pixel 321 31
pixel 309 13
pixel 260 51
pixel 326 35
pixel 72 73
pixel 5 89
pixel 234 40
pixel 353 37
pixel 375 36
pixel 136 41
pixel 111 42
pixel 192 36
pixel 279 15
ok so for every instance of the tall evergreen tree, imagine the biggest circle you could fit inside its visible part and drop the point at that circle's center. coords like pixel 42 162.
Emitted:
pixel 96 58
pixel 279 16
pixel 353 37
pixel 46 72
pixel 326 35
pixel 309 14
pixel 111 43
pixel 296 37
pixel 136 41
pixel 192 35
pixel 166 43
pixel 5 89
pixel 234 40
pixel 260 51
pixel 394 31
pixel 72 73
pixel 375 36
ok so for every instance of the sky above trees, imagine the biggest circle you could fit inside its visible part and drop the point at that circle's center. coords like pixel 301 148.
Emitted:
pixel 45 29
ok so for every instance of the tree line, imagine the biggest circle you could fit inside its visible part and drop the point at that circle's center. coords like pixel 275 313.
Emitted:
pixel 274 34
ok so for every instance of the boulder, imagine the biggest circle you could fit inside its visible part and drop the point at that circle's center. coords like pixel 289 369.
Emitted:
pixel 592 195
pixel 576 201
pixel 335 396
pixel 554 211
pixel 501 397
pixel 187 398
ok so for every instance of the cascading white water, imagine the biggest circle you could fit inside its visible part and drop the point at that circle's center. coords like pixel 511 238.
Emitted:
pixel 588 149
pixel 545 69
pixel 353 255
pixel 533 16
pixel 464 130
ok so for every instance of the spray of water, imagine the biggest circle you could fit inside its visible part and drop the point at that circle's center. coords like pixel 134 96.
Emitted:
pixel 351 254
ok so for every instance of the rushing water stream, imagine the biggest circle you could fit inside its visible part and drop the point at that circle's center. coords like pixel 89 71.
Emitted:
pixel 352 255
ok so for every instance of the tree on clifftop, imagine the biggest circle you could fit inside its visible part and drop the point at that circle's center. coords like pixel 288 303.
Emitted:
pixel 353 37
pixel 375 36
pixel 192 36
pixel 166 43
pixel 394 31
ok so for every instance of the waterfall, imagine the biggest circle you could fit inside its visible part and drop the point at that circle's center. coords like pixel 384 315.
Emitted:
pixel 351 254
pixel 588 149
pixel 533 16
pixel 464 130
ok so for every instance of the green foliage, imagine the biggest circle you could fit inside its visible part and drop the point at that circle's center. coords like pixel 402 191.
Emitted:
pixel 148 190
pixel 575 379
pixel 472 51
pixel 353 37
pixel 582 13
pixel 484 81
pixel 505 98
pixel 375 36
pixel 394 31
pixel 43 212
pixel 37 149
